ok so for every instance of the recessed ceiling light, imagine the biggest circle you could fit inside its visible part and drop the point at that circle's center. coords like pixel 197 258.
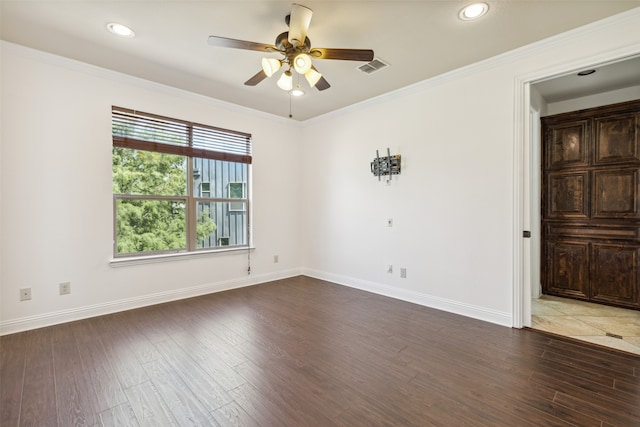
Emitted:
pixel 120 30
pixel 586 72
pixel 473 11
pixel 297 92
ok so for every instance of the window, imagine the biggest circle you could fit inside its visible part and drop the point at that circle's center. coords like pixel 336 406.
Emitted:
pixel 237 190
pixel 205 189
pixel 177 186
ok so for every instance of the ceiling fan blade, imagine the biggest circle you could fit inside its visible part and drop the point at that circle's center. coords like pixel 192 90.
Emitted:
pixel 343 54
pixel 260 76
pixel 240 44
pixel 299 24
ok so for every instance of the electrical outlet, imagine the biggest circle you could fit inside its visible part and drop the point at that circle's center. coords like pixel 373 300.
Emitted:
pixel 389 268
pixel 403 273
pixel 390 222
pixel 65 288
pixel 25 294
pixel 276 259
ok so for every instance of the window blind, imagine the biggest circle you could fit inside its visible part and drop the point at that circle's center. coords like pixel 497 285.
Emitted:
pixel 145 131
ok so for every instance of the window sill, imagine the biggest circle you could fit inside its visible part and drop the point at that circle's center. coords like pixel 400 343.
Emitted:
pixel 151 259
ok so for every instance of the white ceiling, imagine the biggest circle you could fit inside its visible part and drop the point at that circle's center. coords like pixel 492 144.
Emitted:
pixel 418 38
pixel 617 75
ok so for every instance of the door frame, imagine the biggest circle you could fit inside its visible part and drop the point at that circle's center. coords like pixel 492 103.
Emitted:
pixel 526 177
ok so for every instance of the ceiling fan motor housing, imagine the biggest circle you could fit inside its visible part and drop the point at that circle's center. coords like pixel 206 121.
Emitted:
pixel 287 49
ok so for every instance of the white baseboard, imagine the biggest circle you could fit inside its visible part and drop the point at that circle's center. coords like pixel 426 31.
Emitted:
pixel 48 319
pixel 463 309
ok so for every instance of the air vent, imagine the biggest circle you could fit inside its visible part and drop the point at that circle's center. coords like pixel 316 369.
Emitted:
pixel 376 64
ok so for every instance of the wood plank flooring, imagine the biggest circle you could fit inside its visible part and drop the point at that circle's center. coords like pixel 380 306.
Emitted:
pixel 304 352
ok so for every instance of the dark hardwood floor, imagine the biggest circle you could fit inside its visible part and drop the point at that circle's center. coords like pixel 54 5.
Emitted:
pixel 303 352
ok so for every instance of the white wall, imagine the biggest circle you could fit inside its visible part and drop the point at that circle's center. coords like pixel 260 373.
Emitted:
pixel 451 205
pixel 458 203
pixel 538 103
pixel 591 101
pixel 56 207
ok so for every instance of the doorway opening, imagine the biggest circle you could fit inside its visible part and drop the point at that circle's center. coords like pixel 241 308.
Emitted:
pixel 531 308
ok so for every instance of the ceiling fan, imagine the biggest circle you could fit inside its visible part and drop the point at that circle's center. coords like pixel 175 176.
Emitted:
pixel 295 47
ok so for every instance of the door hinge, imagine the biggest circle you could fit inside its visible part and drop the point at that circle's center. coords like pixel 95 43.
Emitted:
pixel 526 234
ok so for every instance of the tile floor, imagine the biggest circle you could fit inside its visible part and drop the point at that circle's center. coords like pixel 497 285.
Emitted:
pixel 588 322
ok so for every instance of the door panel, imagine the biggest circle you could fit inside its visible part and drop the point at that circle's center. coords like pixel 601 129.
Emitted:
pixel 617 139
pixel 615 269
pixel 569 272
pixel 616 193
pixel 568 195
pixel 567 144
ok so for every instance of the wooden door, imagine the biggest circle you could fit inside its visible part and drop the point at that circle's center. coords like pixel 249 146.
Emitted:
pixel 591 204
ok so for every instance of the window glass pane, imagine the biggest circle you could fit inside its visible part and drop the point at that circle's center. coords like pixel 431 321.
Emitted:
pixel 236 190
pixel 144 225
pixel 218 226
pixel 218 174
pixel 206 189
pixel 148 173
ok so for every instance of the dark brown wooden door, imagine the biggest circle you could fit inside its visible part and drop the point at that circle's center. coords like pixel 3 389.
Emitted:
pixel 591 204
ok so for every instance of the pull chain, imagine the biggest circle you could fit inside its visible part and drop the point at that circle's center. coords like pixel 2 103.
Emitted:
pixel 290 103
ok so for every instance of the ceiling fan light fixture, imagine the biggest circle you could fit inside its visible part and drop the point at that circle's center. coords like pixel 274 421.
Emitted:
pixel 473 11
pixel 285 82
pixel 296 92
pixel 296 51
pixel 312 77
pixel 270 66
pixel 302 63
pixel 120 30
